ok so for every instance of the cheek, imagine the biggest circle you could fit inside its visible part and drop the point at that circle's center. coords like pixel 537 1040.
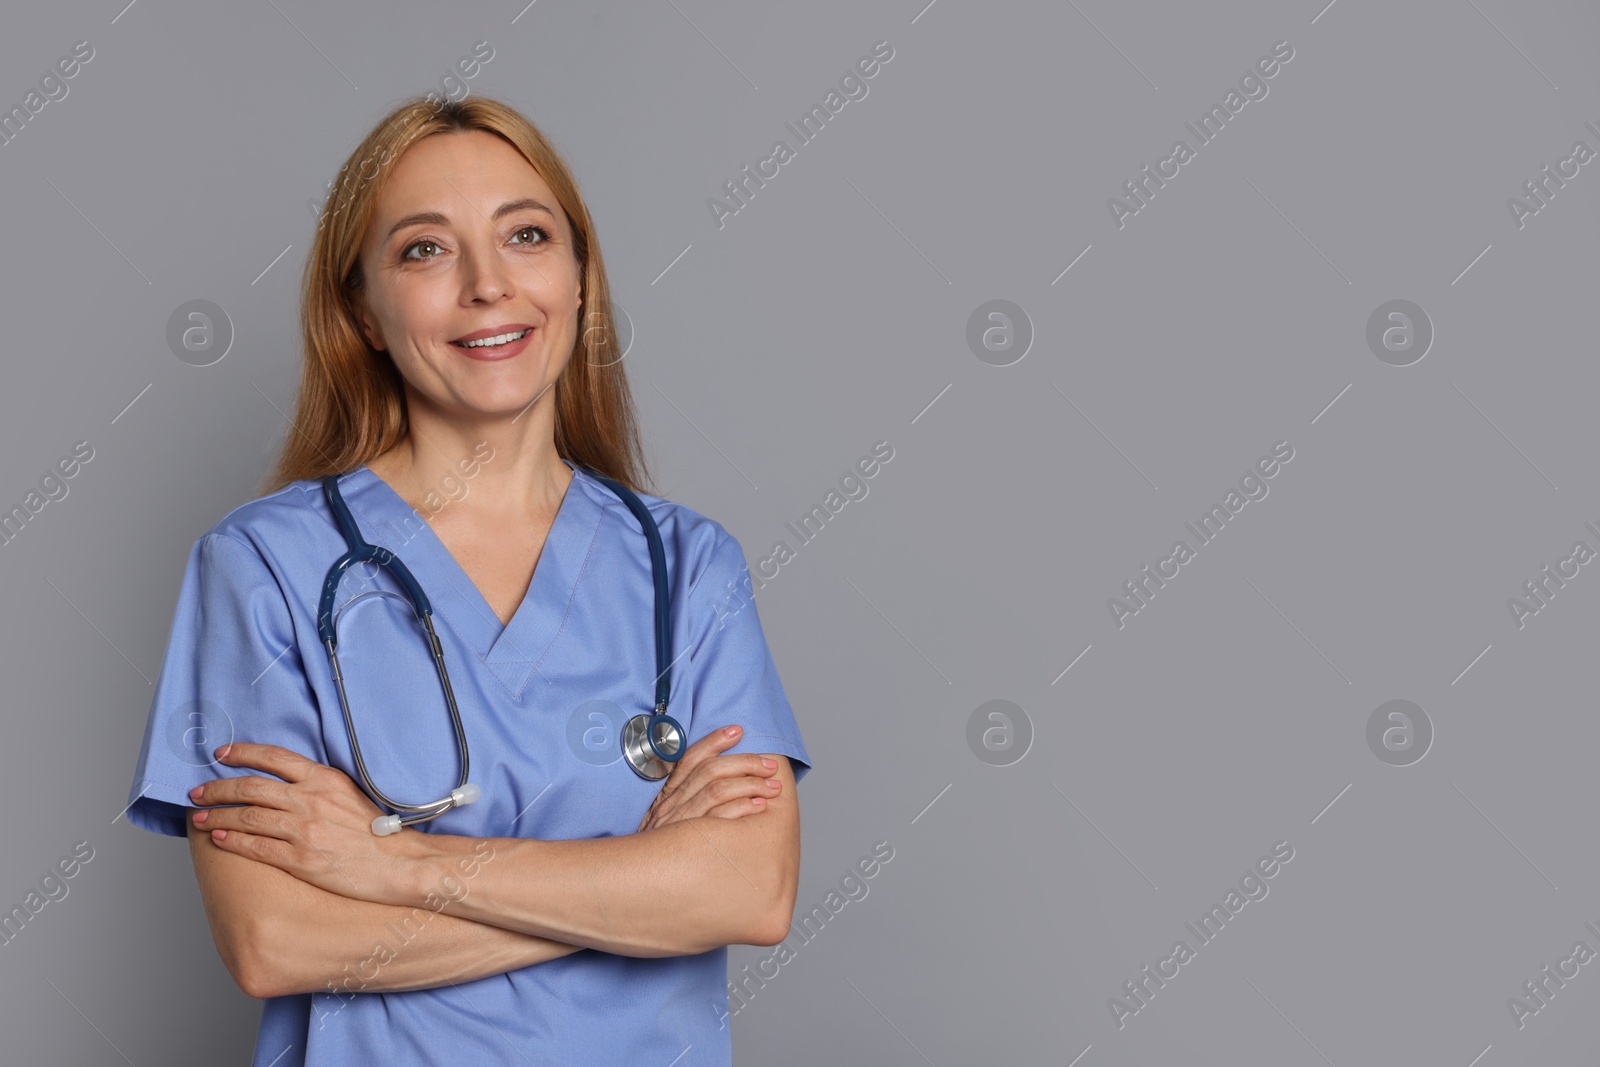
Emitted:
pixel 559 297
pixel 553 287
pixel 412 325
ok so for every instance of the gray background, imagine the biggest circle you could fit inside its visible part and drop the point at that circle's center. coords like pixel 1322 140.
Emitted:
pixel 1228 315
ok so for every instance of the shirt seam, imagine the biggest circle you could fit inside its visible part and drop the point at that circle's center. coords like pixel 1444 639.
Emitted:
pixel 153 781
pixel 778 737
pixel 295 632
pixel 722 537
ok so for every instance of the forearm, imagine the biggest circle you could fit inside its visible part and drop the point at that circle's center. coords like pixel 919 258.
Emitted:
pixel 350 946
pixel 680 889
pixel 279 935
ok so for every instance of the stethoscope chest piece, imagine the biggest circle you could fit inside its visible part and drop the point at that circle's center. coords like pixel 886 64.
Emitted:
pixel 652 744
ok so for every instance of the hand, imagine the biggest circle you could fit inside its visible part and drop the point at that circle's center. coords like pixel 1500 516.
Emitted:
pixel 705 783
pixel 316 824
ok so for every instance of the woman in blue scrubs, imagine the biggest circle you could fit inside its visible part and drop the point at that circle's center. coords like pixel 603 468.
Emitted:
pixel 461 379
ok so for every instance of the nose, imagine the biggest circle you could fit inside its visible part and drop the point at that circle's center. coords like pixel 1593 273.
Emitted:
pixel 485 277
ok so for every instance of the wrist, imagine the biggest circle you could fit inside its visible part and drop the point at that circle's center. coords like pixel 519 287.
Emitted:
pixel 413 873
pixel 433 871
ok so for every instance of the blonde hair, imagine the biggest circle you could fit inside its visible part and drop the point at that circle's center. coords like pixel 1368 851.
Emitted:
pixel 351 405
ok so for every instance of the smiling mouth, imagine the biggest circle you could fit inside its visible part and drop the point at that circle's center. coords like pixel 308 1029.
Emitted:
pixel 492 344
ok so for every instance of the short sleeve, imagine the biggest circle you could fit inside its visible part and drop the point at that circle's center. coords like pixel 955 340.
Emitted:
pixel 733 678
pixel 232 672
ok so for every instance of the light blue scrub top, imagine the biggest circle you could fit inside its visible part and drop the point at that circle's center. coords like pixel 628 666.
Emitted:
pixel 540 700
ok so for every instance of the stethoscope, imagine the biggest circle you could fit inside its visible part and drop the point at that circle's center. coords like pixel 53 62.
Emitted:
pixel 651 741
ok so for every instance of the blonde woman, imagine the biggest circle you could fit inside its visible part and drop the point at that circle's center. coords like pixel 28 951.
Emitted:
pixel 463 410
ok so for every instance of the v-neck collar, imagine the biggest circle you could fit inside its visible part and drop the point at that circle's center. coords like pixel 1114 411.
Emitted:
pixel 513 651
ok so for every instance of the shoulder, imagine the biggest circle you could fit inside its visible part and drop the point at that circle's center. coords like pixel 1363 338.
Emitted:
pixel 699 543
pixel 292 516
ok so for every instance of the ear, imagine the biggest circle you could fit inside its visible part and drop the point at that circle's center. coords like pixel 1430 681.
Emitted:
pixel 366 323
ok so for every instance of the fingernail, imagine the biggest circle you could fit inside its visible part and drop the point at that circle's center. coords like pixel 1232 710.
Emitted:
pixel 196 791
pixel 200 817
pixel 768 764
pixel 773 783
pixel 732 731
pixel 222 753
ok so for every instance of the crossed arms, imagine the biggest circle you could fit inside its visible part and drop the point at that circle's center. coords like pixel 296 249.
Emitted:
pixel 302 897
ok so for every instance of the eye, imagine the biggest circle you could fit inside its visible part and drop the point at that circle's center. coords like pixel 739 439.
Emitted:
pixel 544 235
pixel 406 253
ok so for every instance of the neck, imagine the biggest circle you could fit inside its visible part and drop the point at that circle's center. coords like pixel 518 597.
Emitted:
pixel 492 468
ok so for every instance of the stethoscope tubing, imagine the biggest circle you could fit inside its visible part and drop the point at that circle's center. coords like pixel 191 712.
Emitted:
pixel 652 760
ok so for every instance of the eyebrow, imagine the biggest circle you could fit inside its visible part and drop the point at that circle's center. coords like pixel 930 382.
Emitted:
pixel 434 218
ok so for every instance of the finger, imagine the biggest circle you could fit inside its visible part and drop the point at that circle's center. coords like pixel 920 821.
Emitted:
pixel 701 751
pixel 264 849
pixel 697 755
pixel 723 790
pixel 290 766
pixel 747 764
pixel 703 806
pixel 248 789
pixel 738 809
pixel 249 819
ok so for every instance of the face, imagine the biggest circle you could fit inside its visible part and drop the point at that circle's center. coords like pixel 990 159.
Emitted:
pixel 492 256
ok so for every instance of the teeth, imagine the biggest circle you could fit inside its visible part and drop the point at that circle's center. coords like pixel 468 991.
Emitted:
pixel 499 340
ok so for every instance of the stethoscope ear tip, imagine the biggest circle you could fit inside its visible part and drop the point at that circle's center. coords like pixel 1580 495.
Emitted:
pixel 384 825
